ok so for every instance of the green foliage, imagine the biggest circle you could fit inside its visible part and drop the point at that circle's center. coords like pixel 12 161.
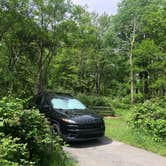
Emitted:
pixel 150 117
pixel 119 129
pixel 143 21
pixel 94 100
pixel 139 98
pixel 152 61
pixel 57 45
pixel 28 133
pixel 118 103
pixel 101 105
pixel 62 47
pixel 12 152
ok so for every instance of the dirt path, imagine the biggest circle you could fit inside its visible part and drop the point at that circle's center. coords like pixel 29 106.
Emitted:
pixel 107 153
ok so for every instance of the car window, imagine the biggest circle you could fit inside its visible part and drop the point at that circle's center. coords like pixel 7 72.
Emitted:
pixel 67 104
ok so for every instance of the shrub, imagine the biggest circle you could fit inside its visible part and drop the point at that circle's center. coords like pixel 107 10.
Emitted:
pixel 126 99
pixel 118 103
pixel 139 98
pixel 100 104
pixel 94 100
pixel 27 131
pixel 151 118
pixel 12 152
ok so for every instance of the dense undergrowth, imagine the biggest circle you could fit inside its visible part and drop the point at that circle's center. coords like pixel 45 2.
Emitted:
pixel 25 137
pixel 142 125
pixel 150 117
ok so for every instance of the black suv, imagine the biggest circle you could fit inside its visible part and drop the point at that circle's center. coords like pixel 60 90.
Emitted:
pixel 71 119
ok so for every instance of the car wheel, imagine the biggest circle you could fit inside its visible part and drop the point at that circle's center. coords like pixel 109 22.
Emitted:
pixel 55 129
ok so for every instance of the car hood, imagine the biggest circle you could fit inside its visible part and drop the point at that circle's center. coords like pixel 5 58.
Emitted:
pixel 82 116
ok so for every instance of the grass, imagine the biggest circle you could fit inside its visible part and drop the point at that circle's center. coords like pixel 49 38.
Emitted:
pixel 118 129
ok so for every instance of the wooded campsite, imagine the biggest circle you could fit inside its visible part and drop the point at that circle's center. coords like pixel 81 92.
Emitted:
pixel 116 61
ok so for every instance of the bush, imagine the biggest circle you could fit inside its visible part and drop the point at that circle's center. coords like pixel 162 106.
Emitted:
pixel 151 118
pixel 28 132
pixel 118 103
pixel 12 152
pixel 126 99
pixel 94 100
pixel 101 105
pixel 139 98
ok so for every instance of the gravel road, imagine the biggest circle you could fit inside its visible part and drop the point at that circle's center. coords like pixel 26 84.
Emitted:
pixel 105 152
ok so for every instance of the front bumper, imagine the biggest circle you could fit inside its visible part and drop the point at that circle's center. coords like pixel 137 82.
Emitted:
pixel 82 132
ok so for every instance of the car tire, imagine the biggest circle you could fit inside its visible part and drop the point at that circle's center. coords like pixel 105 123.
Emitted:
pixel 55 129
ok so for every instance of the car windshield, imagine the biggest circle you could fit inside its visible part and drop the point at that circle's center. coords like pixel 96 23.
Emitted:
pixel 67 104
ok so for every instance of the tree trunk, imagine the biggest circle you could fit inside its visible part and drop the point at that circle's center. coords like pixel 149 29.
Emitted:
pixel 132 41
pixel 98 85
pixel 131 77
pixel 97 80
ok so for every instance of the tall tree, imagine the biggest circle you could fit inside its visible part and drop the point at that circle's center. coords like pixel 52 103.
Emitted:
pixel 29 30
pixel 128 26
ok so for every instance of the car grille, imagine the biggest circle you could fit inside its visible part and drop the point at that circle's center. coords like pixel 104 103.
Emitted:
pixel 91 126
pixel 89 121
pixel 87 126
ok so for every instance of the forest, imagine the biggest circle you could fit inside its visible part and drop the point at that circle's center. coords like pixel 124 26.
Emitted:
pixel 54 45
pixel 60 46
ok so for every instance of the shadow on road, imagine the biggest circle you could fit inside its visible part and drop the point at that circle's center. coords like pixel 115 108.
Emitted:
pixel 86 144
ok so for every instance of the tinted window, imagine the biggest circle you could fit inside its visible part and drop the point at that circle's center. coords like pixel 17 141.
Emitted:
pixel 67 104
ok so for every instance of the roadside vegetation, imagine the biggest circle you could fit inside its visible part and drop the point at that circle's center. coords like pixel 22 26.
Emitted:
pixel 142 125
pixel 26 138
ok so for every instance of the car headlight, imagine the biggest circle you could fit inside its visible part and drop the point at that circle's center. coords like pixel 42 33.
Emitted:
pixel 68 120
